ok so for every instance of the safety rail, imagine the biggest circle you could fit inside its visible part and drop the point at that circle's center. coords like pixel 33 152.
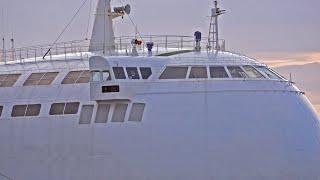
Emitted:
pixel 80 48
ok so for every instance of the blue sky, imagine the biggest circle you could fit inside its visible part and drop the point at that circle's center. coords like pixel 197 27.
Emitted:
pixel 250 26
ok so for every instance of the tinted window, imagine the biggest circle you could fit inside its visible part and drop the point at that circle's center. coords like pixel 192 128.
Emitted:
pixel 64 108
pixel 102 113
pixel 40 79
pixel 1 109
pixel 26 110
pixel 236 72
pixel 132 73
pixel 106 76
pixel 33 110
pixel 8 80
pixel 136 113
pixel 95 76
pixel 252 72
pixel 57 109
pixel 174 73
pixel 119 113
pixel 119 73
pixel 269 73
pixel 71 108
pixel 145 72
pixel 86 114
pixel 218 72
pixel 77 77
pixel 198 72
pixel 72 77
pixel 84 77
pixel 19 111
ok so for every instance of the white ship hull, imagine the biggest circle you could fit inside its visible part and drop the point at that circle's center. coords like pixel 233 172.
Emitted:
pixel 200 133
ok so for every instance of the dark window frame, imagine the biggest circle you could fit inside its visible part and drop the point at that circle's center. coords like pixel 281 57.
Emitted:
pixel 133 73
pixel 222 72
pixel 119 73
pixel 64 111
pixel 26 108
pixel 1 110
pixel 168 73
pixel 146 72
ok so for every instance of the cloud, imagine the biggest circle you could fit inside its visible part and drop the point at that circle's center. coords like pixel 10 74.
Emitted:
pixel 288 59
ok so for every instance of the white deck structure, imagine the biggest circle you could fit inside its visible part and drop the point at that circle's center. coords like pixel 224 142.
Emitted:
pixel 186 115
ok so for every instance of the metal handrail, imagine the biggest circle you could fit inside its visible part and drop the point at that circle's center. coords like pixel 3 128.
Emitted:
pixel 80 48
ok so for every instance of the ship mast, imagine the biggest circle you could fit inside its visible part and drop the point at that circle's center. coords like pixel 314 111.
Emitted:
pixel 213 39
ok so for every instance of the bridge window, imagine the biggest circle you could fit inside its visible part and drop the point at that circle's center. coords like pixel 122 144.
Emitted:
pixel 119 113
pixel 40 79
pixel 252 72
pixel 26 110
pixel 64 108
pixel 198 72
pixel 106 76
pixel 136 113
pixel 132 73
pixel 8 80
pixel 269 73
pixel 76 77
pixel 237 72
pixel 174 73
pixel 119 73
pixel 146 72
pixel 95 76
pixel 218 72
pixel 86 114
pixel 102 113
pixel 1 109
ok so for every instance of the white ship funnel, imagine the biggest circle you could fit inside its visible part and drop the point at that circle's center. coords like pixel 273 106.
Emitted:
pixel 102 39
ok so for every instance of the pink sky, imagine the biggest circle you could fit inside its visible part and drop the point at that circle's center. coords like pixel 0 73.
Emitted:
pixel 299 64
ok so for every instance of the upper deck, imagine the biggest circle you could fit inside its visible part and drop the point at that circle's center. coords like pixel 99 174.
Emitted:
pixel 163 45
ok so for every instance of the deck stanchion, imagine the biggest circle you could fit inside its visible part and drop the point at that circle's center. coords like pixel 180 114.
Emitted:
pixel 166 43
pixel 20 55
pixel 35 55
pixel 65 51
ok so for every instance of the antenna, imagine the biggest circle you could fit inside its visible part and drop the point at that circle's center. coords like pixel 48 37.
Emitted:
pixel 213 39
pixel 3 37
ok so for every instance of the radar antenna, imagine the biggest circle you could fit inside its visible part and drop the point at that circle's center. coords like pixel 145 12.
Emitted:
pixel 213 38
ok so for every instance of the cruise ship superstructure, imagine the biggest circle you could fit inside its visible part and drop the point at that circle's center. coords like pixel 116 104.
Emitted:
pixel 151 108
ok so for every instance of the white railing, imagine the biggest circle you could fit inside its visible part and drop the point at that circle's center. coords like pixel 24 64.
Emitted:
pixel 79 49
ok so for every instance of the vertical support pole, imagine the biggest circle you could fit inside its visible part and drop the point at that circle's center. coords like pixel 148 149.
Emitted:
pixel 65 51
pixel 20 56
pixel 4 50
pixel 166 43
pixel 35 55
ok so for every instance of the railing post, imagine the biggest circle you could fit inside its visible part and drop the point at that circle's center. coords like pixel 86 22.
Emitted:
pixel 20 53
pixel 181 42
pixel 157 49
pixel 65 51
pixel 166 43
pixel 35 55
